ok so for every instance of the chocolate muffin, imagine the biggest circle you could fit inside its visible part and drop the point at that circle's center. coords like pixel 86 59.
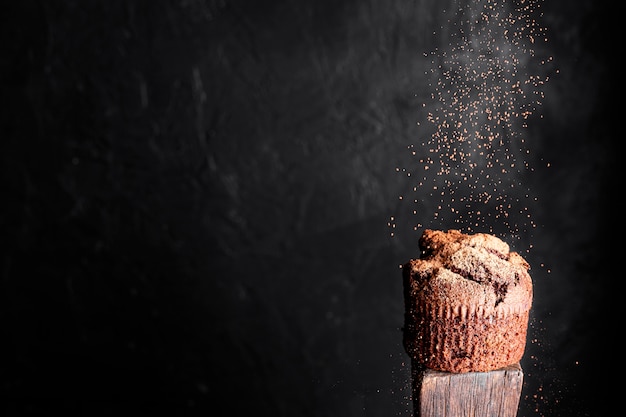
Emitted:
pixel 467 303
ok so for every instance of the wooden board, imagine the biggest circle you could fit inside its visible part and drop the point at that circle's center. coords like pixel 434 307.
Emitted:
pixel 472 394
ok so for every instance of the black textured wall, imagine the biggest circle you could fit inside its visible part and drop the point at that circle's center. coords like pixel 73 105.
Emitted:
pixel 196 197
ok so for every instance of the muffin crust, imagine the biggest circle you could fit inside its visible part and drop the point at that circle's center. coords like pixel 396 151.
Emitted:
pixel 467 302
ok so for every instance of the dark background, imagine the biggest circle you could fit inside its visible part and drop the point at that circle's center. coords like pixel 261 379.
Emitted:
pixel 196 197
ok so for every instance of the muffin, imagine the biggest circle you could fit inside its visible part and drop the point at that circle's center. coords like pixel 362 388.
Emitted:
pixel 467 303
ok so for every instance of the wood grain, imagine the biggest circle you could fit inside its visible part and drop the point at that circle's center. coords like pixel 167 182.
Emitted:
pixel 476 394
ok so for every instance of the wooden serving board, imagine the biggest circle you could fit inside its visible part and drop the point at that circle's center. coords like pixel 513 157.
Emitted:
pixel 472 394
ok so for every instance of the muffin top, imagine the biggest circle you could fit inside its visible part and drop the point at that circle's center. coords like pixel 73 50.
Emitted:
pixel 467 272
